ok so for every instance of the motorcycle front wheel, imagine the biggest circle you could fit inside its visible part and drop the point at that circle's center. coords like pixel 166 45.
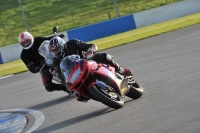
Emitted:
pixel 135 91
pixel 109 98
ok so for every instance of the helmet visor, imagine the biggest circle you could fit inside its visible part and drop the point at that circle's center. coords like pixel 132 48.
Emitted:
pixel 56 51
pixel 26 43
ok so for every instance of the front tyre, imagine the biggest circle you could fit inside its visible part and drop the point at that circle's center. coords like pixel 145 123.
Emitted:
pixel 111 99
pixel 135 91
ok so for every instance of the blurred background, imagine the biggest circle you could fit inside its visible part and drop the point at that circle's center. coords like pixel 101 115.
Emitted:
pixel 38 17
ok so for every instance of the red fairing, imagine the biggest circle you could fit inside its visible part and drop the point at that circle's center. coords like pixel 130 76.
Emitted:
pixel 80 69
pixel 98 81
pixel 81 74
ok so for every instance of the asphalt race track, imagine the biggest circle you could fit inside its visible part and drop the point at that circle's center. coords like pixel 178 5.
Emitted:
pixel 168 68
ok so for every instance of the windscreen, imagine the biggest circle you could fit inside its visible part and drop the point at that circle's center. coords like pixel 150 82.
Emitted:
pixel 71 68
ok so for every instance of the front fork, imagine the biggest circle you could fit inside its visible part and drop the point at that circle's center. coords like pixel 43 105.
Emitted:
pixel 124 88
pixel 125 84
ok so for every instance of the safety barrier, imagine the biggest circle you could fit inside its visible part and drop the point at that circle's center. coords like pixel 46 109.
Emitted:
pixel 103 29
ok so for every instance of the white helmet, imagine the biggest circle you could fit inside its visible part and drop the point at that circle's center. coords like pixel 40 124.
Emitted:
pixel 26 40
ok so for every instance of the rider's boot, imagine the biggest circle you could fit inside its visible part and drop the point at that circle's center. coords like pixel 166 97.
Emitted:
pixel 125 71
pixel 66 90
pixel 71 93
pixel 59 87
pixel 81 98
pixel 119 69
pixel 62 88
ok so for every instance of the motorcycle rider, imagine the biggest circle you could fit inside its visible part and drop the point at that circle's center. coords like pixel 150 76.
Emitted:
pixel 60 49
pixel 34 61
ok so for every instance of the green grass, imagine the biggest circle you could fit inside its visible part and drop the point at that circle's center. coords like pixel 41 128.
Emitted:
pixel 67 14
pixel 13 67
pixel 119 39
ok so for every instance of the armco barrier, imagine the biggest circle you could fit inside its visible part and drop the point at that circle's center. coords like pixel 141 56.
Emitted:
pixel 10 53
pixel 103 29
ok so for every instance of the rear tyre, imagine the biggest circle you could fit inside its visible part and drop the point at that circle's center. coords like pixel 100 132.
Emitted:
pixel 135 91
pixel 111 99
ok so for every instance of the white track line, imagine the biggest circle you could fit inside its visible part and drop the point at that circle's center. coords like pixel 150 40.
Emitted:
pixel 6 76
pixel 39 117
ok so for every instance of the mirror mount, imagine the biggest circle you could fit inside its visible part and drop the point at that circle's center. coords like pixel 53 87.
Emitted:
pixel 55 29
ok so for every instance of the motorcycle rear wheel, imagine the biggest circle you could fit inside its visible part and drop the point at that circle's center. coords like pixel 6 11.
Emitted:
pixel 111 99
pixel 135 91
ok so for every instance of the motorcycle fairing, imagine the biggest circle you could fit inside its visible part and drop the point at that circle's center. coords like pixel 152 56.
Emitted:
pixel 78 71
pixel 105 75
pixel 74 72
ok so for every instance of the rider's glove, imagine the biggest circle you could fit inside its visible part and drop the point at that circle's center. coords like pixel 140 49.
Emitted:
pixel 89 54
pixel 39 67
pixel 61 35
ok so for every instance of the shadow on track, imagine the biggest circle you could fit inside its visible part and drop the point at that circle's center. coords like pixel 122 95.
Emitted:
pixel 75 120
pixel 51 103
pixel 78 119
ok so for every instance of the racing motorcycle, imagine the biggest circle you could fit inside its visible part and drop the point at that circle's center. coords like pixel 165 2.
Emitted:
pixel 99 81
pixel 93 80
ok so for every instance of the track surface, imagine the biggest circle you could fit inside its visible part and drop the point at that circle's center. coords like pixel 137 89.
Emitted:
pixel 167 66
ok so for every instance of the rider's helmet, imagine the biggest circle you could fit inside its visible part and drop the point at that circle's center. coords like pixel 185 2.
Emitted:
pixel 56 47
pixel 26 40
